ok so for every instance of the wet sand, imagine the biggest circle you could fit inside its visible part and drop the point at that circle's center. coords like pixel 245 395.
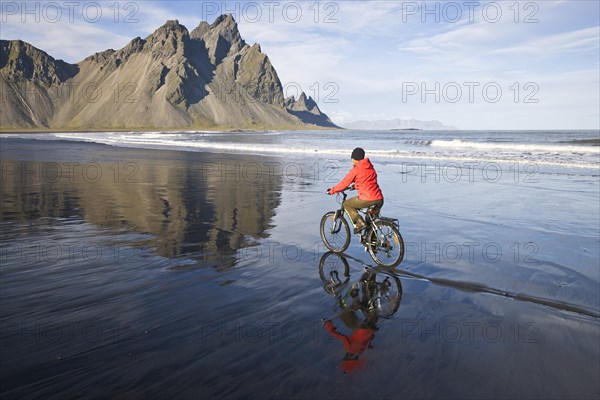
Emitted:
pixel 131 273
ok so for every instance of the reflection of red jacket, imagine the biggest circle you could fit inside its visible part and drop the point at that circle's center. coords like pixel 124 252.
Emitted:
pixel 358 341
pixel 364 177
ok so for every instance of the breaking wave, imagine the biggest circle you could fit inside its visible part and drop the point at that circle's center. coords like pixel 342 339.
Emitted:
pixel 574 154
pixel 515 147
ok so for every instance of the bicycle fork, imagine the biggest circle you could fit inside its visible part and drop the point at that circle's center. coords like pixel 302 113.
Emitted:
pixel 337 223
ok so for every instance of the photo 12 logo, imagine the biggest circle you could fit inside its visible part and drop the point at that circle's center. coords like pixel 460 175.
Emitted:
pixel 70 92
pixel 320 92
pixel 32 332
pixel 273 11
pixel 69 11
pixel 473 11
pixel 72 172
pixel 470 171
pixel 473 252
pixel 471 92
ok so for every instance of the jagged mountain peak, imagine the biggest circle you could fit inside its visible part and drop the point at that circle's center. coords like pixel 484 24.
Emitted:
pixel 199 31
pixel 168 40
pixel 303 100
pixel 226 21
pixel 310 103
pixel 170 28
pixel 303 103
pixel 22 61
pixel 209 78
pixel 172 25
pixel 223 38
pixel 307 109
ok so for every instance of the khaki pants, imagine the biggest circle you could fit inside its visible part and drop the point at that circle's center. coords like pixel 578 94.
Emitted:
pixel 353 204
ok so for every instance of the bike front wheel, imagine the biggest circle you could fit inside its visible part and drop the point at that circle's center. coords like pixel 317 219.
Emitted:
pixel 334 271
pixel 386 245
pixel 335 232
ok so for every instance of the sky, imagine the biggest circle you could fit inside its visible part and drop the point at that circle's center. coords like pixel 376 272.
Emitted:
pixel 479 65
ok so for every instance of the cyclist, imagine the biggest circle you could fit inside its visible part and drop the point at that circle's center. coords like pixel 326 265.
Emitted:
pixel 364 177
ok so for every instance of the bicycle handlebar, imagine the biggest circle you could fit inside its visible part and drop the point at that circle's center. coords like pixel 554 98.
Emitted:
pixel 349 188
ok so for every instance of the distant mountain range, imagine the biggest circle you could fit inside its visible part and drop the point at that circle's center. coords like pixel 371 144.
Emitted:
pixel 208 78
pixel 398 124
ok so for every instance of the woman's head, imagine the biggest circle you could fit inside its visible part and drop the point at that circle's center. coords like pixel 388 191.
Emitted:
pixel 357 155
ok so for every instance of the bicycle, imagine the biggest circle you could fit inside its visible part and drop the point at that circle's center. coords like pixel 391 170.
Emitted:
pixel 376 294
pixel 380 237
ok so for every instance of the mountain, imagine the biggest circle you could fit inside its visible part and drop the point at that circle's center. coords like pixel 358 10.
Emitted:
pixel 208 78
pixel 398 124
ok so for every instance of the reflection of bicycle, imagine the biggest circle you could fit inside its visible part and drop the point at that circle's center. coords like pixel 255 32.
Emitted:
pixel 380 237
pixel 375 294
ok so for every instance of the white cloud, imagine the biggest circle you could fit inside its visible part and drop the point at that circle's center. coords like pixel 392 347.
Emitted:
pixel 587 39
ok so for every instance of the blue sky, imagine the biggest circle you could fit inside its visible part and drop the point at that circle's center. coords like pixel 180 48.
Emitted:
pixel 471 64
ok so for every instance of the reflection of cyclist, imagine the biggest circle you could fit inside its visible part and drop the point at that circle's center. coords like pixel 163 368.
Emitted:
pixel 355 344
pixel 363 331
pixel 364 177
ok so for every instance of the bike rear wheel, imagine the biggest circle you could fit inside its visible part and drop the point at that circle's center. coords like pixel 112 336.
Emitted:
pixel 385 244
pixel 389 294
pixel 335 232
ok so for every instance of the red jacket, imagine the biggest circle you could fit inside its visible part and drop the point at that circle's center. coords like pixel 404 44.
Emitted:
pixel 364 177
pixel 358 341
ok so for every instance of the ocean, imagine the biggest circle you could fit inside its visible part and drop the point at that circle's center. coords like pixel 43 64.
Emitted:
pixel 576 151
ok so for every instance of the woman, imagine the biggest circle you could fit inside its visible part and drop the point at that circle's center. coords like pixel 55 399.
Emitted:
pixel 364 177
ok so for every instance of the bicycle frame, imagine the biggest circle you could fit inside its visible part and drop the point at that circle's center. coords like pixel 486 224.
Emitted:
pixel 369 217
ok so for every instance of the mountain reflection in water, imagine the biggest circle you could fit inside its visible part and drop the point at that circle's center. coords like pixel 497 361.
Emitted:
pixel 180 205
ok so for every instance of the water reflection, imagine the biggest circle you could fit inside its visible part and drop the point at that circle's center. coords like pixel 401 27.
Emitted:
pixel 183 206
pixel 359 305
pixel 88 231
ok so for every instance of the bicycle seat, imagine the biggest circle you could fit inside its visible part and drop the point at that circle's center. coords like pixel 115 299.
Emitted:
pixel 373 210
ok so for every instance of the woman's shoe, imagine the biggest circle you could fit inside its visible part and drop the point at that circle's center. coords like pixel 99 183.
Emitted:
pixel 359 226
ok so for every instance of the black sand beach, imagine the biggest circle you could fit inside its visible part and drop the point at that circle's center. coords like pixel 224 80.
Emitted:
pixel 130 273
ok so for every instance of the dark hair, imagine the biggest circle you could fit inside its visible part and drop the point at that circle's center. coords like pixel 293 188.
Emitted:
pixel 358 154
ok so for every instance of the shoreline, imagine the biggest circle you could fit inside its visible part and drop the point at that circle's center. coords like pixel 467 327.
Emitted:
pixel 407 159
pixel 292 129
pixel 279 129
pixel 154 129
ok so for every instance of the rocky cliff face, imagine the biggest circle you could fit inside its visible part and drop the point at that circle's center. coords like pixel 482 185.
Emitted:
pixel 173 79
pixel 20 61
